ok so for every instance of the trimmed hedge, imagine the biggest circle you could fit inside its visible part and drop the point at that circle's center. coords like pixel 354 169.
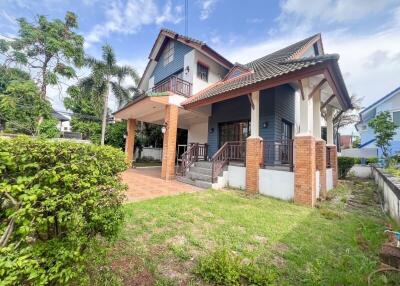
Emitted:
pixel 344 165
pixel 56 200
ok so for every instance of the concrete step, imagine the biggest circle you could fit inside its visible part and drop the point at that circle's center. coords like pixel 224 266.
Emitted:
pixel 205 171
pixel 203 164
pixel 197 183
pixel 185 180
pixel 198 176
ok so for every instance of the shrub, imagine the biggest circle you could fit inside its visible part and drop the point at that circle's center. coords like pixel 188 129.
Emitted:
pixel 225 268
pixel 344 165
pixel 60 197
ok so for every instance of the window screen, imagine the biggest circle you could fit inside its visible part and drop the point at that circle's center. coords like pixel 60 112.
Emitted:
pixel 202 72
pixel 396 118
pixel 169 53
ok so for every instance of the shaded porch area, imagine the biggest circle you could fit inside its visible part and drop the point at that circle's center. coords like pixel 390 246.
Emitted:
pixel 146 183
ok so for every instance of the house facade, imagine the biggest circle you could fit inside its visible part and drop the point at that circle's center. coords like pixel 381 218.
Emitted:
pixel 255 126
pixel 390 103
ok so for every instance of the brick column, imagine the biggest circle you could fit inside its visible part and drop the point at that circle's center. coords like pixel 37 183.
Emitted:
pixel 130 140
pixel 320 165
pixel 169 142
pixel 253 159
pixel 334 164
pixel 304 170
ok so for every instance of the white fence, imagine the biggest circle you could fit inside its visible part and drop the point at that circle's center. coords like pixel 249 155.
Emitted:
pixel 390 188
pixel 150 153
pixel 360 153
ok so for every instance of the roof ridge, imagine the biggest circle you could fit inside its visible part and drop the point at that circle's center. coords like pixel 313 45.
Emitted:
pixel 306 59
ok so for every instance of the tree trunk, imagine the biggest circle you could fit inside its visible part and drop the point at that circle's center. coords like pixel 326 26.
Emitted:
pixel 104 120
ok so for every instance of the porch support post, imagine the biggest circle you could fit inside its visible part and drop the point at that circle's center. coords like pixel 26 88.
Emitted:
pixel 169 142
pixel 254 147
pixel 304 154
pixel 304 170
pixel 320 165
pixel 329 126
pixel 331 145
pixel 130 140
pixel 317 114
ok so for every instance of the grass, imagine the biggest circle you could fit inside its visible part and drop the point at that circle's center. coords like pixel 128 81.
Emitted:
pixel 164 239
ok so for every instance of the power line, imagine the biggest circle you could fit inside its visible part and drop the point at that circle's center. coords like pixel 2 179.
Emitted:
pixel 186 17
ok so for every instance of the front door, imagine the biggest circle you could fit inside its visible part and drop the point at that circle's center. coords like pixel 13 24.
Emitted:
pixel 233 132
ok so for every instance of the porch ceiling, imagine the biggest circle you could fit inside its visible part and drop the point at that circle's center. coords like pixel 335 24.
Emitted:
pixel 151 109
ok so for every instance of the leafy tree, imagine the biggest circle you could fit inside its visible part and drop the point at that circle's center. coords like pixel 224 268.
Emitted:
pixel 86 114
pixel 21 106
pixel 105 77
pixel 7 75
pixel 347 118
pixel 49 49
pixel 48 128
pixel 115 135
pixel 356 142
pixel 384 129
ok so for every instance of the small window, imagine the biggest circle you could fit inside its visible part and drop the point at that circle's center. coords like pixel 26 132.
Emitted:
pixel 202 72
pixel 169 53
pixel 396 118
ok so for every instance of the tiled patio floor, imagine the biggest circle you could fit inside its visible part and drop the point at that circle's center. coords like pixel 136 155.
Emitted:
pixel 146 183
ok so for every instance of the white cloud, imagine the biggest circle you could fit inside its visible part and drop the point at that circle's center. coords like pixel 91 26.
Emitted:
pixel 329 11
pixel 207 6
pixel 129 17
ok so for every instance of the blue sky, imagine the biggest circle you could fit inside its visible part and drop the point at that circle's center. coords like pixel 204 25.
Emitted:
pixel 365 33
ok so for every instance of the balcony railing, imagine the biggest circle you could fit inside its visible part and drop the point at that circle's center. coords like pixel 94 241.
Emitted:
pixel 174 84
pixel 278 153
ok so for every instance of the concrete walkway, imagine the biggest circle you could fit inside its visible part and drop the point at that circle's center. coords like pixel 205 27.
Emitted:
pixel 146 183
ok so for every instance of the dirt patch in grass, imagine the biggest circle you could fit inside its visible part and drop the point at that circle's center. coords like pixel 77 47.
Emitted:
pixel 261 239
pixel 177 271
pixel 131 271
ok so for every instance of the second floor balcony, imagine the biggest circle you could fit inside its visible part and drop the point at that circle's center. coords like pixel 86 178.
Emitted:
pixel 175 85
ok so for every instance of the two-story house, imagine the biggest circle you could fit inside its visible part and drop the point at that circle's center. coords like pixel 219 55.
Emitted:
pixel 390 103
pixel 255 126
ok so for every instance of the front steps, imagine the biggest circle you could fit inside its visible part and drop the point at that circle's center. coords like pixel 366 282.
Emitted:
pixel 199 175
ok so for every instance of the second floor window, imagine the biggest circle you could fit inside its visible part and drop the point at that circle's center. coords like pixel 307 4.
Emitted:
pixel 202 72
pixel 396 118
pixel 169 53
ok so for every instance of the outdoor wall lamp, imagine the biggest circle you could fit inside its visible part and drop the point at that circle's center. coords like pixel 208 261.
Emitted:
pixel 164 128
pixel 124 136
pixel 211 130
pixel 187 69
pixel 265 124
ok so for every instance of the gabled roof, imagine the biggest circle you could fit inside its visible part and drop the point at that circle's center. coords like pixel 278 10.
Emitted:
pixel 59 116
pixel 166 34
pixel 381 100
pixel 271 66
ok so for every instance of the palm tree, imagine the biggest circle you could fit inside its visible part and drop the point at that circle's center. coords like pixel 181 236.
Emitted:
pixel 105 77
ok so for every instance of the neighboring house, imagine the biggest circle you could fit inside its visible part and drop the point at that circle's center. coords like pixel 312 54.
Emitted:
pixel 346 142
pixel 63 122
pixel 391 103
pixel 255 126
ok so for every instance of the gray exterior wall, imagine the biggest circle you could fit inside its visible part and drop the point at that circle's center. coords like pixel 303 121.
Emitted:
pixel 161 72
pixel 275 104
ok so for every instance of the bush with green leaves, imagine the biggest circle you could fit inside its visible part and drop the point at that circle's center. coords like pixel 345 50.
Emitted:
pixel 57 200
pixel 344 165
pixel 225 268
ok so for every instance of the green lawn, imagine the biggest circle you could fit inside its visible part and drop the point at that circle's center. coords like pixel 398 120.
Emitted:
pixel 164 239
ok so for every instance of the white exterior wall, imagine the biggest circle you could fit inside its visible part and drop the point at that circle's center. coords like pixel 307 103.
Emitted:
pixel 198 133
pixel 277 184
pixel 64 126
pixel 155 153
pixel 329 179
pixel 215 72
pixel 188 61
pixel 237 177
pixel 151 82
pixel 361 171
pixel 360 153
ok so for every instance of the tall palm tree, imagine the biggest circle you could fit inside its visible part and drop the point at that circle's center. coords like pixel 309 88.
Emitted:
pixel 106 77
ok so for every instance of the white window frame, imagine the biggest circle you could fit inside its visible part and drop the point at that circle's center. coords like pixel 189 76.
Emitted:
pixel 169 52
pixel 392 114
